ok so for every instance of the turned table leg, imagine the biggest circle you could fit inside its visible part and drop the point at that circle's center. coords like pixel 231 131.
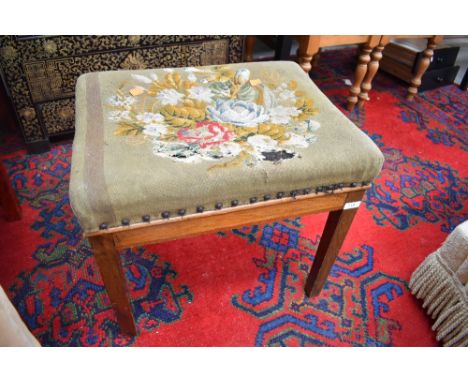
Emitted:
pixel 108 260
pixel 421 68
pixel 372 68
pixel 308 48
pixel 360 72
pixel 335 231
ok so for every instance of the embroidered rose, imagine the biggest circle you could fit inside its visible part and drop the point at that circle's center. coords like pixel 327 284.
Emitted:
pixel 169 97
pixel 205 134
pixel 213 113
pixel 239 113
pixel 201 93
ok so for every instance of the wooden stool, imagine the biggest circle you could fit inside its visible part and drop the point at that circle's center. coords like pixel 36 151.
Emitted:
pixel 164 154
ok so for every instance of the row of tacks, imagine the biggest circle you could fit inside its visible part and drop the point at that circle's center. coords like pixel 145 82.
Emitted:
pixel 254 199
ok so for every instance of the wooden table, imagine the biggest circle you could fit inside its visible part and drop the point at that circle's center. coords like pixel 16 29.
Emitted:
pixel 370 54
pixel 310 45
pixel 423 64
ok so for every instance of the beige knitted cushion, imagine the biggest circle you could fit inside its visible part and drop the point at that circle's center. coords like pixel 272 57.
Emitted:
pixel 441 281
pixel 154 143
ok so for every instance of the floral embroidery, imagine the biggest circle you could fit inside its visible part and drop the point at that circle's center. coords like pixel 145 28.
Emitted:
pixel 215 113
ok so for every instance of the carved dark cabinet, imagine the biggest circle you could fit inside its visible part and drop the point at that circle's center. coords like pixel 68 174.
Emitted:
pixel 39 72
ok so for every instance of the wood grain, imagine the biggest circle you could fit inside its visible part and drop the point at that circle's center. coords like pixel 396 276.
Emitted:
pixel 372 69
pixel 360 72
pixel 229 218
pixel 422 66
pixel 107 243
pixel 335 231
pixel 108 260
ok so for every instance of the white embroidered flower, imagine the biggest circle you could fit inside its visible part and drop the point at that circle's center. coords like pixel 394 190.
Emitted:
pixel 168 70
pixel 179 151
pixel 119 115
pixel 242 76
pixel 154 76
pixel 121 101
pixel 192 69
pixel 201 93
pixel 262 143
pixel 306 127
pixel 230 149
pixel 282 114
pixel 141 78
pixel 239 113
pixel 284 96
pixel 223 150
pixel 169 97
pixel 150 117
pixel 192 77
pixel 296 141
pixel 155 130
pixel 312 125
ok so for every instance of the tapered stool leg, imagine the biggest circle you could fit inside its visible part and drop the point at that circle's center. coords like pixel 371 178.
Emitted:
pixel 110 266
pixel 335 231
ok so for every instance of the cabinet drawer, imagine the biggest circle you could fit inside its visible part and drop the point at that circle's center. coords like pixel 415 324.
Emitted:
pixel 409 51
pixel 440 77
pixel 55 78
pixel 442 58
pixel 51 81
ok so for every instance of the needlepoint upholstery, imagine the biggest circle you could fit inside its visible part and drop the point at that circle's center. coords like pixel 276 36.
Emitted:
pixel 169 141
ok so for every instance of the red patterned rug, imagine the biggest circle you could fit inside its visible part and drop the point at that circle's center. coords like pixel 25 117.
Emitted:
pixel 245 286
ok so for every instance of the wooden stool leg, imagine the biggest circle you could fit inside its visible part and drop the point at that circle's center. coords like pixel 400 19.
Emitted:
pixel 360 72
pixel 108 260
pixel 335 231
pixel 421 68
pixel 8 200
pixel 372 68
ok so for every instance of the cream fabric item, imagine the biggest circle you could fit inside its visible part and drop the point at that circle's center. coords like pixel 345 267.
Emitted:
pixel 158 140
pixel 442 282
pixel 13 331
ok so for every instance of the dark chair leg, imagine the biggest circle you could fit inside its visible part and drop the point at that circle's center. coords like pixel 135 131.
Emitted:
pixel 335 231
pixel 283 47
pixel 108 260
pixel 8 200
